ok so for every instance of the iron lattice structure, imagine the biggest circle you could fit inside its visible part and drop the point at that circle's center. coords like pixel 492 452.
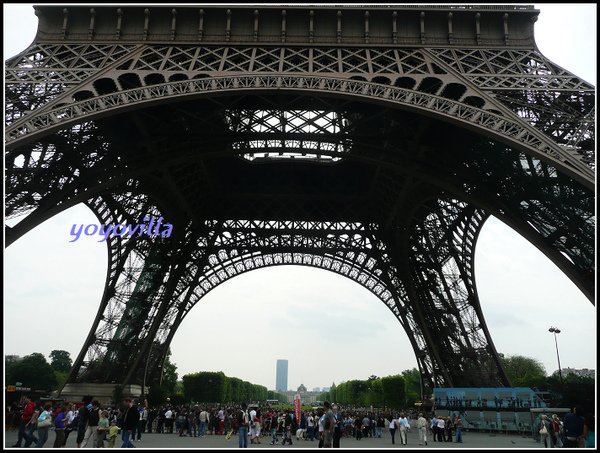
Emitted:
pixel 371 143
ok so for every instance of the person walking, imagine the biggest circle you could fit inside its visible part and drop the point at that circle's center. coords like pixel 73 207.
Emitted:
pixel 71 421
pixel 589 431
pixel 243 422
pixel 393 423
pixel 557 432
pixel 59 427
pixel 545 430
pixel 320 426
pixel 113 431
pixel 449 426
pixel 404 427
pixel 44 422
pixel 82 419
pixel 169 421
pixel 131 416
pixel 258 419
pixel 91 431
pixel 328 425
pixel 441 425
pixel 422 428
pixel 573 426
pixel 310 421
pixel 203 418
pixel 103 428
pixel 339 422
pixel 458 427
pixel 141 424
pixel 24 422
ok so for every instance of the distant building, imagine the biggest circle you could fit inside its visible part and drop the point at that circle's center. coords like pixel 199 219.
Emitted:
pixel 316 389
pixel 326 389
pixel 281 377
pixel 305 396
pixel 584 372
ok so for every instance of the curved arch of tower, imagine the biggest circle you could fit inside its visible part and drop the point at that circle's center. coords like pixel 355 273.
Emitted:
pixel 371 143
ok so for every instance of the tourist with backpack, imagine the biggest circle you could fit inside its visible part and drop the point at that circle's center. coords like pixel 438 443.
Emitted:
pixel 243 420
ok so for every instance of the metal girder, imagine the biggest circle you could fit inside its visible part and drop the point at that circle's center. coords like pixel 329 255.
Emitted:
pixel 368 152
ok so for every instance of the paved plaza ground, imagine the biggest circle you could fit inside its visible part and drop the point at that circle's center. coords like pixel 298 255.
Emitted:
pixel 471 440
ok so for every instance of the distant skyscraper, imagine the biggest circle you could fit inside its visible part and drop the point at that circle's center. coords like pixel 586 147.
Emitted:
pixel 281 379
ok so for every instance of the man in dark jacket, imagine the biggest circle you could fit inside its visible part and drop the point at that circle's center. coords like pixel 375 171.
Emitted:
pixel 131 415
pixel 573 427
pixel 83 415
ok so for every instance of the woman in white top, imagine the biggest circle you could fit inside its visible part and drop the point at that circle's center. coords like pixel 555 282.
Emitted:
pixel 320 428
pixel 441 424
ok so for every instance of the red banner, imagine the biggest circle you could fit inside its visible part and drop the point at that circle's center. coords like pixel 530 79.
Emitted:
pixel 297 401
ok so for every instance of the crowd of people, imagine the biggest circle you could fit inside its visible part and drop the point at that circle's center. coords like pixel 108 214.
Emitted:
pixel 573 431
pixel 98 426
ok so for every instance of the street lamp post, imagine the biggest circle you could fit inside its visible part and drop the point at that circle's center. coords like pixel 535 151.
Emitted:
pixel 555 330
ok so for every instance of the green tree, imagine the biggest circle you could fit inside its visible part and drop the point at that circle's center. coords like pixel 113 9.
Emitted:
pixel 271 395
pixel 574 390
pixel 205 387
pixel 169 376
pixel 178 397
pixel 235 390
pixel 394 394
pixel 412 386
pixel 117 395
pixel 61 377
pixel 61 360
pixel 332 393
pixel 325 396
pixel 524 371
pixel 9 362
pixel 157 395
pixel 375 397
pixel 33 371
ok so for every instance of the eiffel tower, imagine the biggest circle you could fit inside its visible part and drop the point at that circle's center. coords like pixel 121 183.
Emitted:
pixel 373 142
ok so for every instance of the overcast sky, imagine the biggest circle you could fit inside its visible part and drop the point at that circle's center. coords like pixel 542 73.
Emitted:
pixel 328 327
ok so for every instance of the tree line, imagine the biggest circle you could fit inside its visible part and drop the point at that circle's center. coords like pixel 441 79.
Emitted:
pixel 215 387
pixel 403 390
pixel 34 371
